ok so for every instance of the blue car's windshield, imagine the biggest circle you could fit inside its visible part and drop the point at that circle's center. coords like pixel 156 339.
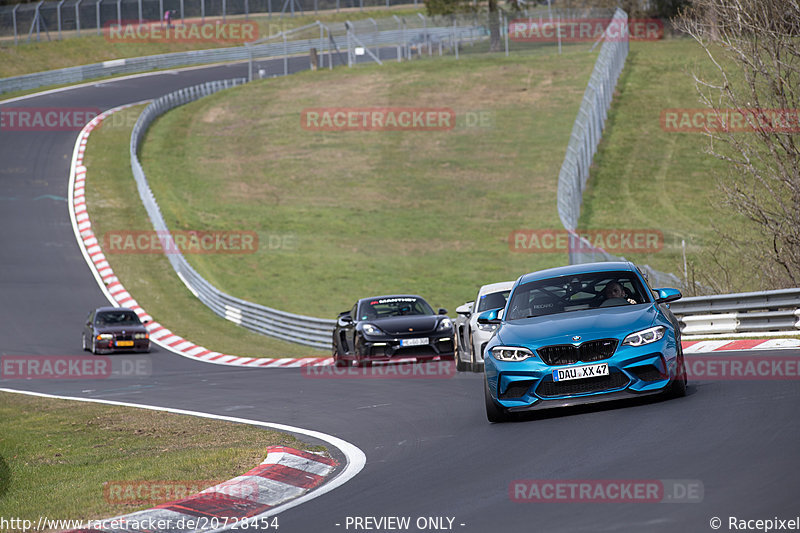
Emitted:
pixel 576 292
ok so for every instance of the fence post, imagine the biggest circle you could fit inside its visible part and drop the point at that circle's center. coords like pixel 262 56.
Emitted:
pixel 141 17
pixel 224 10
pixel 14 17
pixel 285 57
pixel 202 11
pixel 246 9
pixel 119 12
pixel 97 9
pixel 505 31
pixel 58 14
pixel 78 17
pixel 183 21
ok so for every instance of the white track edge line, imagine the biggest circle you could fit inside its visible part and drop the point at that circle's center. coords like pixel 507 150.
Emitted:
pixel 356 459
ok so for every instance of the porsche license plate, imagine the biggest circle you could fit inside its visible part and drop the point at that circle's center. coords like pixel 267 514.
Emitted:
pixel 123 344
pixel 580 372
pixel 414 342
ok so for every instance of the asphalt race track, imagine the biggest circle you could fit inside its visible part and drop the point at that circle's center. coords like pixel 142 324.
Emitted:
pixel 430 451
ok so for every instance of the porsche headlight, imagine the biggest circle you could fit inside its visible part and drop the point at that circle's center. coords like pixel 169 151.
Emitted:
pixel 445 325
pixel 369 329
pixel 646 336
pixel 511 353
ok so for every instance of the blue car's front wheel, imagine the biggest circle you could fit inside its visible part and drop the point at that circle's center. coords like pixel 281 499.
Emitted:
pixel 494 412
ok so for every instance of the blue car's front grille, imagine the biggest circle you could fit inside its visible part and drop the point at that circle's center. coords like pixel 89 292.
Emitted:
pixel 553 389
pixel 567 354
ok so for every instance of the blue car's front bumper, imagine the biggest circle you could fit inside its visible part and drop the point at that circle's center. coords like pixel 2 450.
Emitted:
pixel 633 371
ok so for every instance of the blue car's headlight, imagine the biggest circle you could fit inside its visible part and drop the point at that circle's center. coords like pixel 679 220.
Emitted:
pixel 369 329
pixel 511 353
pixel 646 336
pixel 445 325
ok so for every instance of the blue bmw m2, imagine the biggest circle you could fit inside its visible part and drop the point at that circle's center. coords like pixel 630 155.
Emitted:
pixel 581 334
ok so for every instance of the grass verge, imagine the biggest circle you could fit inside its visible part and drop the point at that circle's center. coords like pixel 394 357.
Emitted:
pixel 113 204
pixel 644 177
pixel 372 212
pixel 56 455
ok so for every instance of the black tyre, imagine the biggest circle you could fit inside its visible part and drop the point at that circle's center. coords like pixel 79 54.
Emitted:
pixel 461 365
pixel 677 388
pixel 337 357
pixel 494 412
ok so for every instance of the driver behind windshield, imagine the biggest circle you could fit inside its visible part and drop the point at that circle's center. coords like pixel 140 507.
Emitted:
pixel 615 291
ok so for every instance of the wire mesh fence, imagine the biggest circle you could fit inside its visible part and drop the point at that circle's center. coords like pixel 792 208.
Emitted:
pixel 49 20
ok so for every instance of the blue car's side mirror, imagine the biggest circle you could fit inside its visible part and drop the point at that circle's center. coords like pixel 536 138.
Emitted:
pixel 667 295
pixel 490 317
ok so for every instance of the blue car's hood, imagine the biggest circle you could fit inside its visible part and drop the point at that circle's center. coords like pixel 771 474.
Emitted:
pixel 608 322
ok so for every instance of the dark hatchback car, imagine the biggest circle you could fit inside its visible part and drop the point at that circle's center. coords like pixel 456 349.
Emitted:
pixel 114 329
pixel 385 328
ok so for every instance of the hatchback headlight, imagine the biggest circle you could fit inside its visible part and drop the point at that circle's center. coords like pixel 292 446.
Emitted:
pixel 369 329
pixel 511 353
pixel 104 336
pixel 445 325
pixel 140 335
pixel 646 336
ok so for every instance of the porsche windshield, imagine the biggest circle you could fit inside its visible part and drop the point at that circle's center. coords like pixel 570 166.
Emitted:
pixel 387 307
pixel 575 293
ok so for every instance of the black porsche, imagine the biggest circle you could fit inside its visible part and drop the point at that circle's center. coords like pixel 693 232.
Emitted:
pixel 386 328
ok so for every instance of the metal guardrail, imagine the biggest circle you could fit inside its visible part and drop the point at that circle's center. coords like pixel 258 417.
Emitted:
pixel 583 142
pixel 306 330
pixel 748 312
